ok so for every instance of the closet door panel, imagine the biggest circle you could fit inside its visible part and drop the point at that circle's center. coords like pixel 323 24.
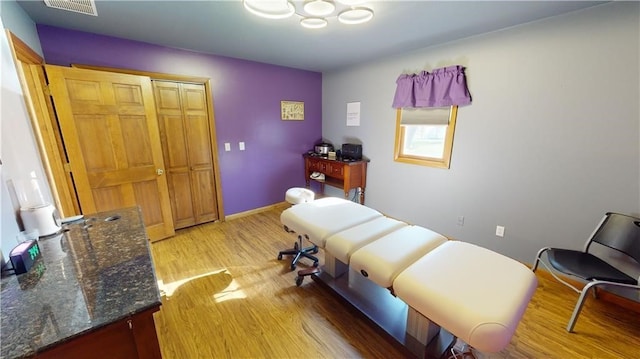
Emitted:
pixel 174 138
pixel 199 142
pixel 185 131
pixel 181 204
pixel 205 204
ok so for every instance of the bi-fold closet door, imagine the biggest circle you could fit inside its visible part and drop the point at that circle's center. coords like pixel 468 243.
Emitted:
pixel 186 133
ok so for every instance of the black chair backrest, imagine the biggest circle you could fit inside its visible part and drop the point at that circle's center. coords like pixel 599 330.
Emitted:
pixel 620 232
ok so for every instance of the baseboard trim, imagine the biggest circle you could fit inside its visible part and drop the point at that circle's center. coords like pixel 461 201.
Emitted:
pixel 256 210
pixel 602 294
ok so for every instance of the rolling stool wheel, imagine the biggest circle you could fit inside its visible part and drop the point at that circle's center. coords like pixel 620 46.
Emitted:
pixel 306 272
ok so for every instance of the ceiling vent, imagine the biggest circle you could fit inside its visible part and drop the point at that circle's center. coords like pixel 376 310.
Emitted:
pixel 87 7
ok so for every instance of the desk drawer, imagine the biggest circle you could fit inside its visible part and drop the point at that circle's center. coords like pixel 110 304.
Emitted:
pixel 335 170
pixel 316 166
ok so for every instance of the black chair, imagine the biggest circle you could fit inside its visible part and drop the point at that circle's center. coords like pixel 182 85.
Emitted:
pixel 298 251
pixel 617 231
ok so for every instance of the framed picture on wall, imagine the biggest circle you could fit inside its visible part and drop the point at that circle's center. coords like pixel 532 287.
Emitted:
pixel 292 110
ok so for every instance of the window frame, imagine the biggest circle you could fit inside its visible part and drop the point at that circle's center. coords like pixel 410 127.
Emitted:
pixel 443 162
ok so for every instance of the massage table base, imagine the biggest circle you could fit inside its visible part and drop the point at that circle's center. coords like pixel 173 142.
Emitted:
pixel 415 333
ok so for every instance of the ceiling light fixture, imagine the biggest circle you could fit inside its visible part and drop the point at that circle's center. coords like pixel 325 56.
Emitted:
pixel 355 15
pixel 314 13
pixel 270 9
pixel 319 7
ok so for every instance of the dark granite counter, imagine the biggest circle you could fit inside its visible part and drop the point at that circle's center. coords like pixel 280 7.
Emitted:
pixel 98 272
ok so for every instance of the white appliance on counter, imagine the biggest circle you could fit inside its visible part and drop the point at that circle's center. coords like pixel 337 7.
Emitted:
pixel 43 218
pixel 36 213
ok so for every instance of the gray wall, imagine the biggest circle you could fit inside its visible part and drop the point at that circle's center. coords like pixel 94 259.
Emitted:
pixel 548 145
pixel 15 19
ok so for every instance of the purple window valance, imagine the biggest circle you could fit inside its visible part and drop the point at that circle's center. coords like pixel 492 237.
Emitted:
pixel 442 87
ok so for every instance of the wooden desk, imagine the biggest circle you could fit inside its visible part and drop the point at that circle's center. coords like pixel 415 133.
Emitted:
pixel 341 174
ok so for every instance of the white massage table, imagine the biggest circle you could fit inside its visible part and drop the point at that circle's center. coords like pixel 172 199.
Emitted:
pixel 474 294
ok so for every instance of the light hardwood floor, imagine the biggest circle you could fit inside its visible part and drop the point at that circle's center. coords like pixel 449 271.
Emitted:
pixel 225 295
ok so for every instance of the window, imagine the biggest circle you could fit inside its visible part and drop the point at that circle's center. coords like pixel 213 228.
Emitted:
pixel 424 136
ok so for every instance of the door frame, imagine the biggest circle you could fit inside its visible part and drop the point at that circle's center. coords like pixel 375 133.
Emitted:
pixel 212 123
pixel 45 127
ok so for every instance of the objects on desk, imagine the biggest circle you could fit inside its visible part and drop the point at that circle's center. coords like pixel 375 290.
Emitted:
pixel 317 176
pixel 323 149
pixel 348 152
pixel 24 255
pixel 351 151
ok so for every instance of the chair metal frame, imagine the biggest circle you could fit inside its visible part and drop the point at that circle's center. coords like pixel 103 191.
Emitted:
pixel 594 283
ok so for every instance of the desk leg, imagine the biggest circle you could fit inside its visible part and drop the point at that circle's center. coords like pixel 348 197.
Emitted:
pixel 361 189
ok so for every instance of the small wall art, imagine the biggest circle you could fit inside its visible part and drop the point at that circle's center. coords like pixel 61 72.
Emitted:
pixel 292 110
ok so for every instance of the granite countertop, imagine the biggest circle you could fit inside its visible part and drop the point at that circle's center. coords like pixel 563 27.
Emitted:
pixel 97 272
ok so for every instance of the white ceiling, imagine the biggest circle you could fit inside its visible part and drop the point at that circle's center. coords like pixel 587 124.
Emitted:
pixel 226 28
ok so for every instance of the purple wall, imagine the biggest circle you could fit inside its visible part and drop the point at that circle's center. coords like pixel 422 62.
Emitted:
pixel 246 98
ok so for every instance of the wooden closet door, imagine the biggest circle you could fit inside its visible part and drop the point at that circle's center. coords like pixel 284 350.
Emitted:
pixel 110 130
pixel 186 143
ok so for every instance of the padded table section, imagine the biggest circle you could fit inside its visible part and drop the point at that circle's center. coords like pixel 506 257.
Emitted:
pixel 323 217
pixel 476 294
pixel 342 244
pixel 382 260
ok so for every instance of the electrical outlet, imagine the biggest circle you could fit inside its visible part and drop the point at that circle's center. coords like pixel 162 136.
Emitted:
pixel 461 221
pixel 500 231
pixel 241 146
pixel 227 146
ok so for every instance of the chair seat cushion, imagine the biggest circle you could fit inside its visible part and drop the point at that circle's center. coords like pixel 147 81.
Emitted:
pixel 586 266
pixel 297 195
